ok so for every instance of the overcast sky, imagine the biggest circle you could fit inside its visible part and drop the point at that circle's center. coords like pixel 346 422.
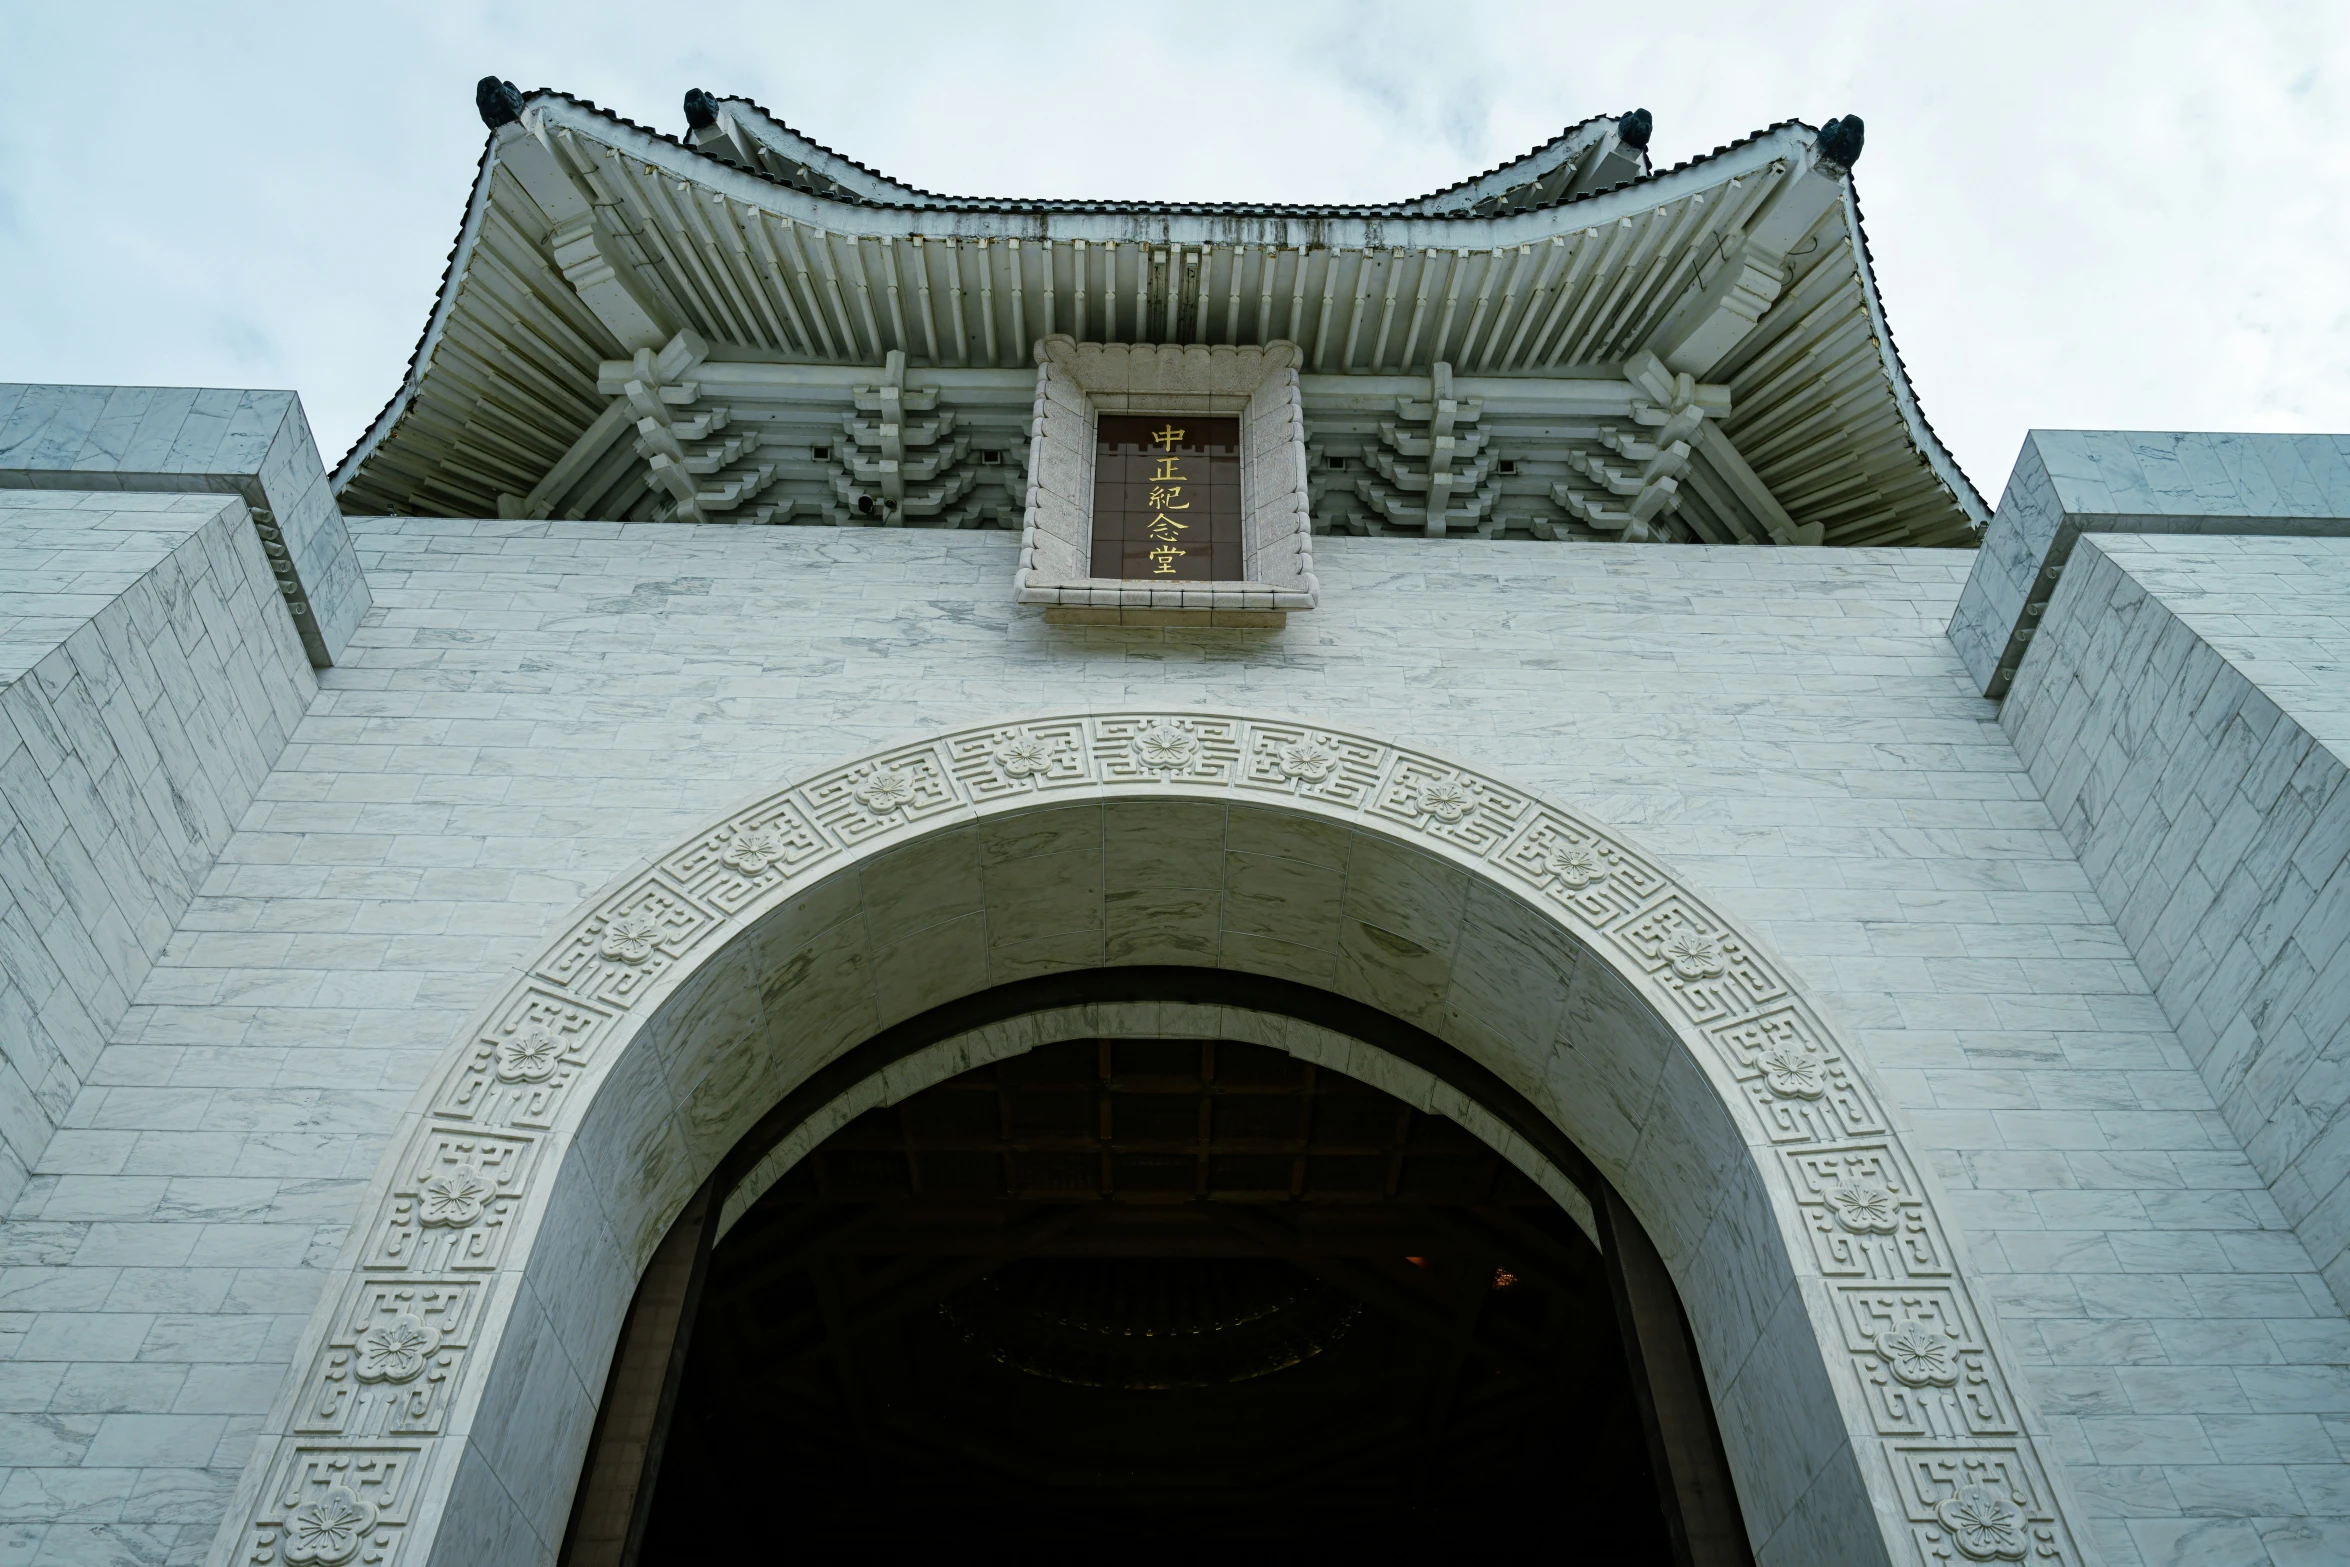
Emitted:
pixel 2102 216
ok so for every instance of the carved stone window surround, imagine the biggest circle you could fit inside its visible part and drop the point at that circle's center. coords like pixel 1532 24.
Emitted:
pixel 1076 383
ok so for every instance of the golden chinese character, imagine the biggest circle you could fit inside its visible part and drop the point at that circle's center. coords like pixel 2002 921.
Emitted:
pixel 1166 555
pixel 1165 529
pixel 1166 438
pixel 1166 470
pixel 1163 498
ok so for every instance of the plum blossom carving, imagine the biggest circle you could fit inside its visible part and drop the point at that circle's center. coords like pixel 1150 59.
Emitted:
pixel 1693 954
pixel 328 1531
pixel 1576 865
pixel 453 1199
pixel 1919 1356
pixel 1308 761
pixel 884 791
pixel 528 1055
pixel 752 852
pixel 1166 747
pixel 1861 1207
pixel 395 1351
pixel 1023 755
pixel 1446 799
pixel 1984 1523
pixel 1793 1072
pixel 630 937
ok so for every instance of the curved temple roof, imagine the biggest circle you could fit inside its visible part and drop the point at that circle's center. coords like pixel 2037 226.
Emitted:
pixel 747 325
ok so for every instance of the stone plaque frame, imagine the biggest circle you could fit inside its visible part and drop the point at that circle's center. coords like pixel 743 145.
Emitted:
pixel 1077 383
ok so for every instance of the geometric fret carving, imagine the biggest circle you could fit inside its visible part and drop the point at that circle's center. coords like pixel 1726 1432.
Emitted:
pixel 391 1364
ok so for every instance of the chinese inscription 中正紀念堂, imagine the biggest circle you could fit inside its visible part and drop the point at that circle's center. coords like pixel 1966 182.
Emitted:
pixel 1166 495
pixel 1167 499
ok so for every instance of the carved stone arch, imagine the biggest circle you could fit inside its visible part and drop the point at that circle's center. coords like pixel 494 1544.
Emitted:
pixel 445 1385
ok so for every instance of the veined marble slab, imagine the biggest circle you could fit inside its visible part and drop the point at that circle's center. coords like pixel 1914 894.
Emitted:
pixel 147 687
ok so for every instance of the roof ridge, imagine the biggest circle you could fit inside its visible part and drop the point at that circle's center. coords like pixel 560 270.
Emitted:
pixel 865 168
pixel 1535 151
pixel 1399 208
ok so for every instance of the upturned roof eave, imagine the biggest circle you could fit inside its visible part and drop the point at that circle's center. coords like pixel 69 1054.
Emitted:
pixel 387 419
pixel 1307 226
pixel 1341 227
pixel 1921 430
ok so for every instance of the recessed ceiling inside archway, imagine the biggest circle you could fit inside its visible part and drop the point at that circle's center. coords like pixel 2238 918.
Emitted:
pixel 1140 1294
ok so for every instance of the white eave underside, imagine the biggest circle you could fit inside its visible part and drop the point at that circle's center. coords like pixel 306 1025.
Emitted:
pixel 505 380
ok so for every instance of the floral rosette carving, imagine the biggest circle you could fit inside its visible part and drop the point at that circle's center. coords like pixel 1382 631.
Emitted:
pixel 329 1530
pixel 884 792
pixel 528 1055
pixel 1693 954
pixel 1576 865
pixel 753 852
pixel 1164 747
pixel 395 1351
pixel 1305 761
pixel 1794 1073
pixel 453 1199
pixel 1984 1523
pixel 1864 1209
pixel 631 937
pixel 1919 1357
pixel 1022 755
pixel 1447 800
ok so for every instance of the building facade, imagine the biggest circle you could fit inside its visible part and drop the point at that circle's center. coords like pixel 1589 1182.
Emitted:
pixel 796 645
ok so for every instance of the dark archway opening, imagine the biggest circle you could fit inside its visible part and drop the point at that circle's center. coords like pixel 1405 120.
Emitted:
pixel 1160 1294
pixel 902 1346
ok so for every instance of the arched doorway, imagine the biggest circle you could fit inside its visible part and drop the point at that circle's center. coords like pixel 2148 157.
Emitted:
pixel 1170 1293
pixel 761 968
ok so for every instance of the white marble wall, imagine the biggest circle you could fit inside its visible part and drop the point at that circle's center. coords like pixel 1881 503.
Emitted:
pixel 2069 482
pixel 186 439
pixel 2186 711
pixel 148 680
pixel 533 705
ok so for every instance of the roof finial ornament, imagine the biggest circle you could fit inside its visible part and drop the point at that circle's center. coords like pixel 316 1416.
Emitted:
pixel 1839 144
pixel 500 103
pixel 701 110
pixel 1633 128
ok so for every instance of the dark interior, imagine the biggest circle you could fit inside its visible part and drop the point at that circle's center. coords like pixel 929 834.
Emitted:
pixel 1154 1297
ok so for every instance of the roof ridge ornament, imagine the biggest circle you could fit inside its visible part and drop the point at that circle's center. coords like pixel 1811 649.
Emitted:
pixel 1634 128
pixel 1839 143
pixel 498 103
pixel 701 110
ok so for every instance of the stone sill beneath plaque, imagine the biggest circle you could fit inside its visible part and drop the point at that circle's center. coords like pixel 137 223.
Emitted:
pixel 1111 601
pixel 1135 615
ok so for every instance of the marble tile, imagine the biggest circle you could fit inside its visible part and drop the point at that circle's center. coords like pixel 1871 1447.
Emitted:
pixel 1168 843
pixel 926 883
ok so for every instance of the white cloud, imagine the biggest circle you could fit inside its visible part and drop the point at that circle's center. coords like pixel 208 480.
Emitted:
pixel 2112 216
